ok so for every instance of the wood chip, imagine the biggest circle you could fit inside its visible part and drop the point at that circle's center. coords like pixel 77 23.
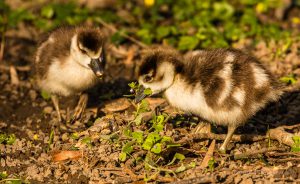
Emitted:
pixel 281 136
pixel 154 102
pixel 117 105
pixel 209 155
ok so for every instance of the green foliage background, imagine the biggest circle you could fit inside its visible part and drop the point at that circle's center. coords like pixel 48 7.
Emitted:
pixel 186 25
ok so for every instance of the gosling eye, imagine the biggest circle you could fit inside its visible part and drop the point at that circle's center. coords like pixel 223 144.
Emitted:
pixel 148 78
pixel 83 51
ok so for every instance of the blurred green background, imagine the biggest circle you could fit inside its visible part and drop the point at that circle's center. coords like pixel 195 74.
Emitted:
pixel 184 24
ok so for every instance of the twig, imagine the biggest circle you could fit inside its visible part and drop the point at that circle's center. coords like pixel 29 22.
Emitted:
pixel 275 154
pixel 201 179
pixel 129 172
pixel 19 68
pixel 131 161
pixel 110 169
pixel 291 126
pixel 235 138
pixel 14 76
pixel 283 159
pixel 113 29
pixel 256 152
pixel 2 46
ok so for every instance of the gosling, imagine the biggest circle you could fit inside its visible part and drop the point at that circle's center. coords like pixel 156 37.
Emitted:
pixel 69 61
pixel 223 86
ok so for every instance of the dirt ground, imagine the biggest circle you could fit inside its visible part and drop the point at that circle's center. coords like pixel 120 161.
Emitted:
pixel 31 158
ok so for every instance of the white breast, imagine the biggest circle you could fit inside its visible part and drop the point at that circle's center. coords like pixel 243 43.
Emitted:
pixel 67 78
pixel 189 99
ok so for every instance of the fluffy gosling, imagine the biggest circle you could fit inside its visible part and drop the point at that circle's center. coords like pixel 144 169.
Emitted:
pixel 69 61
pixel 222 86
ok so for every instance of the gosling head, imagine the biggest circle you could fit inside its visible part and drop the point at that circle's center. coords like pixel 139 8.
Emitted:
pixel 87 48
pixel 157 70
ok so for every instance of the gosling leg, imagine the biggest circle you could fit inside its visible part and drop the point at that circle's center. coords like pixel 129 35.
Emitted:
pixel 229 135
pixel 83 99
pixel 55 102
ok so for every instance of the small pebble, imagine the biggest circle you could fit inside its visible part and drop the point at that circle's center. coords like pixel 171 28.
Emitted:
pixel 32 94
pixel 48 110
pixel 43 104
pixel 65 137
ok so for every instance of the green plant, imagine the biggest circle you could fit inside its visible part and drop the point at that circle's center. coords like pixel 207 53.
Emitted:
pixel 149 138
pixel 7 139
pixel 9 19
pixel 296 146
pixel 51 138
pixel 290 79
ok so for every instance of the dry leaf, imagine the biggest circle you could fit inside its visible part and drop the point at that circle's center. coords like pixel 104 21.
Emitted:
pixel 65 155
pixel 14 76
pixel 209 154
pixel 130 56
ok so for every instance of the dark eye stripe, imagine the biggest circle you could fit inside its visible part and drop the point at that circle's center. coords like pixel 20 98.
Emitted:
pixel 83 51
pixel 148 78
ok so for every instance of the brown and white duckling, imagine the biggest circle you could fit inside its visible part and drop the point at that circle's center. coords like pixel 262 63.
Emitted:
pixel 222 86
pixel 70 61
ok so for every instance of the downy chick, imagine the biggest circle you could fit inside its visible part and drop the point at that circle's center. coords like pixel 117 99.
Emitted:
pixel 70 61
pixel 222 86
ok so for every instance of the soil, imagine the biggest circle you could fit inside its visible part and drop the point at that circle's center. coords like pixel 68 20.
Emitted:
pixel 26 114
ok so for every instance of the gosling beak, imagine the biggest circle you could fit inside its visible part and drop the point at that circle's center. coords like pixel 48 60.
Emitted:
pixel 97 65
pixel 140 95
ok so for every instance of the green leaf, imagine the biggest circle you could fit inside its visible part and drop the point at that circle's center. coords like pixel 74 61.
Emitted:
pixel 147 145
pixel 127 132
pixel 151 139
pixel 180 169
pixel 192 164
pixel 148 91
pixel 11 139
pixel 295 149
pixel 222 10
pixel 156 148
pixel 170 145
pixel 138 119
pixel 13 181
pixel 47 12
pixel 177 156
pixel 296 139
pixel 138 136
pixel 162 31
pixel 51 138
pixel 296 146
pixel 128 148
pixel 166 139
pixel 188 42
pixel 3 175
pixel 2 138
pixel 75 136
pixel 117 38
pixel 158 122
pixel 133 85
pixel 290 79
pixel 87 141
pixel 45 95
pixel 122 156
pixel 211 164
pixel 145 35
pixel 143 107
